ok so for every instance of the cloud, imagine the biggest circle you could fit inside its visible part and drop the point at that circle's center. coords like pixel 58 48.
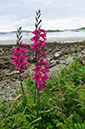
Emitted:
pixel 10 22
pixel 67 23
pixel 55 14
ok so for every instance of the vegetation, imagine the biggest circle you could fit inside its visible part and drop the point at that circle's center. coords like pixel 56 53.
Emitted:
pixel 53 30
pixel 82 28
pixel 22 31
pixel 62 103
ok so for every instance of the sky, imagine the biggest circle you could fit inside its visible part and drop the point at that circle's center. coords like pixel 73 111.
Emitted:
pixel 55 14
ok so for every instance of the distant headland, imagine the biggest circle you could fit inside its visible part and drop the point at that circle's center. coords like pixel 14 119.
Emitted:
pixel 78 29
pixel 49 30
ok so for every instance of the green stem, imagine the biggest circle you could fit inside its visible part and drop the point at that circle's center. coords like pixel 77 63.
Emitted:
pixel 38 102
pixel 39 108
pixel 22 88
pixel 35 93
pixel 37 99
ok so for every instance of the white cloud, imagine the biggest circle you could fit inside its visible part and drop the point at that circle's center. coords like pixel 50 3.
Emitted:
pixel 56 14
pixel 67 23
pixel 10 22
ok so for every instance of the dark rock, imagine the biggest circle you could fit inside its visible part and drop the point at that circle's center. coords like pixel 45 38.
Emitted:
pixel 33 60
pixel 57 62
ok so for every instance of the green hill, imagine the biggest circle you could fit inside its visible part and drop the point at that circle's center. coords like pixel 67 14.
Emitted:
pixel 82 28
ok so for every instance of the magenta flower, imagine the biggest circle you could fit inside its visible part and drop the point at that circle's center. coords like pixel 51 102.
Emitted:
pixel 16 62
pixel 23 76
pixel 20 54
pixel 23 45
pixel 39 47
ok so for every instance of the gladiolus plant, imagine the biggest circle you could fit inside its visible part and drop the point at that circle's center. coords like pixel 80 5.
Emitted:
pixel 20 54
pixel 39 47
pixel 20 61
pixel 42 67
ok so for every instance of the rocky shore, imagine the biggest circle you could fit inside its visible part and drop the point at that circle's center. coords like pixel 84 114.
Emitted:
pixel 57 55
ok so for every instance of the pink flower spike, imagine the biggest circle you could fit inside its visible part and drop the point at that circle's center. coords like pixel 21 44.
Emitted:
pixel 42 85
pixel 16 54
pixel 20 59
pixel 38 46
pixel 44 55
pixel 23 76
pixel 35 38
pixel 24 50
pixel 44 46
pixel 44 78
pixel 24 57
pixel 37 69
pixel 43 35
pixel 42 30
pixel 17 49
pixel 24 45
pixel 44 71
pixel 36 32
pixel 43 63
pixel 15 61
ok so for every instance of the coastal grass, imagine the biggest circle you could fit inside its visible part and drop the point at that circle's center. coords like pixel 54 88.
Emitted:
pixel 62 103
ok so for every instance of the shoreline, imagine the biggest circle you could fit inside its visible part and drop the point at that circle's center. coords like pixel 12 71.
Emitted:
pixel 57 54
pixel 47 42
pixel 61 40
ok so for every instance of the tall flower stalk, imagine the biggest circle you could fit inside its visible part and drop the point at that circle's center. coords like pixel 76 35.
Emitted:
pixel 42 67
pixel 39 47
pixel 20 61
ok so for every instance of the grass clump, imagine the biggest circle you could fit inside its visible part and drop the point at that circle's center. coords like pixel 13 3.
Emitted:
pixel 62 103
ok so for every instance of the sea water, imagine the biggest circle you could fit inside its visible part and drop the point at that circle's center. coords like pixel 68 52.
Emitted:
pixel 62 37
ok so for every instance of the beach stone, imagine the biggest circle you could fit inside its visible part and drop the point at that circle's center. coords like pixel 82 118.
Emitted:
pixel 48 59
pixel 62 62
pixel 68 60
pixel 79 55
pixel 58 62
pixel 1 52
pixel 83 51
pixel 65 52
pixel 1 49
pixel 13 74
pixel 1 93
pixel 33 60
pixel 1 65
pixel 52 63
pixel 26 73
pixel 57 54
pixel 49 50
pixel 82 59
pixel 55 50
